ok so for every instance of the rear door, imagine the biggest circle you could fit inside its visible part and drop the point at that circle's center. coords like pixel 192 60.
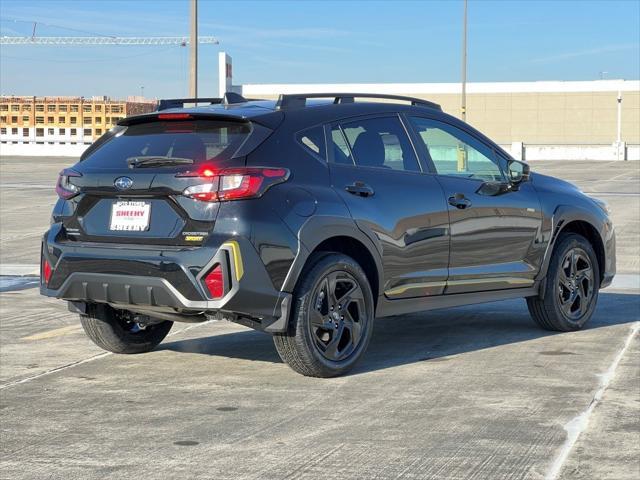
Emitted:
pixel 375 169
pixel 496 240
pixel 132 181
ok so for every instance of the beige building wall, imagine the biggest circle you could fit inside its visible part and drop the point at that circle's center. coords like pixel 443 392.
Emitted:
pixel 584 118
pixel 535 113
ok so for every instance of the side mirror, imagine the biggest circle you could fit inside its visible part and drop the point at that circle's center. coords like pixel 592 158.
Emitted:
pixel 492 189
pixel 518 172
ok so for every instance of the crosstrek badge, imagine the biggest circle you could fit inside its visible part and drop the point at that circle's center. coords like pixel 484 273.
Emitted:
pixel 194 236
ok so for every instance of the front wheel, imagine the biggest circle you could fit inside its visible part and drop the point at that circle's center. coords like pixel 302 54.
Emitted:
pixel 118 331
pixel 331 320
pixel 573 281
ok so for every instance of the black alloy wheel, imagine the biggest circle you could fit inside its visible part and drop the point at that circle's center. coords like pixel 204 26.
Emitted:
pixel 338 316
pixel 571 286
pixel 331 317
pixel 575 283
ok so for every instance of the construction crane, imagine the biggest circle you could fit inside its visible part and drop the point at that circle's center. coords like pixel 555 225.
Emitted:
pixel 183 41
pixel 193 40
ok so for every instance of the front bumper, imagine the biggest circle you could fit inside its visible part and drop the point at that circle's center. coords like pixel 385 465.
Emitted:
pixel 609 255
pixel 166 279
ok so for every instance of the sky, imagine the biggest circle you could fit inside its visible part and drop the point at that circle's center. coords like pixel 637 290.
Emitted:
pixel 316 42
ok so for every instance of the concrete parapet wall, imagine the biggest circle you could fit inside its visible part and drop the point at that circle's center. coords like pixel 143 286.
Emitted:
pixel 38 150
pixel 521 151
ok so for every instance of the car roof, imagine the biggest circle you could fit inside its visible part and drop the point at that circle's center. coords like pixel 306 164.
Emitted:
pixel 317 109
pixel 270 113
pixel 253 108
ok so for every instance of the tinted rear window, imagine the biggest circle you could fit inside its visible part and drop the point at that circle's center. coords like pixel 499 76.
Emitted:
pixel 198 140
pixel 379 143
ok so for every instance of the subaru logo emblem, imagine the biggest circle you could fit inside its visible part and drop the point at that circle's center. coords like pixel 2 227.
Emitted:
pixel 123 183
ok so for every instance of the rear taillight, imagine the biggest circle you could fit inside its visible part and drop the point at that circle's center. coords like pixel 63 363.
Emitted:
pixel 65 187
pixel 214 280
pixel 46 271
pixel 234 183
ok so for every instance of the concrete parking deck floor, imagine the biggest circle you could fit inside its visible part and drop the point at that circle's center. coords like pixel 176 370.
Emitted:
pixel 474 392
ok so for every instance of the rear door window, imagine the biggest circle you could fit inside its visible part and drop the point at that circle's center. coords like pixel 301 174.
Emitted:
pixel 379 143
pixel 197 140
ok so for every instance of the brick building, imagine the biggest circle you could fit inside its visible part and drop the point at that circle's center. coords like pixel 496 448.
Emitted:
pixel 63 120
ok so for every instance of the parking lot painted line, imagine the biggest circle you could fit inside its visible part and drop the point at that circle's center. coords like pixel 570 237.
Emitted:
pixel 626 281
pixel 89 359
pixel 13 283
pixel 57 332
pixel 579 424
pixel 54 370
pixel 19 270
pixel 28 185
pixel 612 194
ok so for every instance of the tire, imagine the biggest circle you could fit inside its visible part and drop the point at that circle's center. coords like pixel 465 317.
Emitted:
pixel 113 330
pixel 572 280
pixel 321 341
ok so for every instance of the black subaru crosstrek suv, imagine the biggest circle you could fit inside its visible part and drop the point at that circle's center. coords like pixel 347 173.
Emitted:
pixel 309 217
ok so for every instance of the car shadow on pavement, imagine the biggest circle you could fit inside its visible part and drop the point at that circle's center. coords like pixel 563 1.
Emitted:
pixel 425 337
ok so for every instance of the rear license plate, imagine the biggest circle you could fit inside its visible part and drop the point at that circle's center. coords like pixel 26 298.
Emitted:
pixel 130 216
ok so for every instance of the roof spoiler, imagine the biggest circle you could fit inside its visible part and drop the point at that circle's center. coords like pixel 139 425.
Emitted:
pixel 299 100
pixel 229 98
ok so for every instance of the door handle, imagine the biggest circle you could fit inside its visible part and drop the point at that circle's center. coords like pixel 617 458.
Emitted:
pixel 459 201
pixel 359 188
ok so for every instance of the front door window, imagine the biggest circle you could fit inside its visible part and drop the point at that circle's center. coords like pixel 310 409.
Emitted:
pixel 454 152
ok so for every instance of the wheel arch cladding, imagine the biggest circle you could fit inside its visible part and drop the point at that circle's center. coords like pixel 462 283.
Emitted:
pixel 359 252
pixel 589 223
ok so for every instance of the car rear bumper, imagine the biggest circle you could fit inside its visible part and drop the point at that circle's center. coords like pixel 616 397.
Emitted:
pixel 166 280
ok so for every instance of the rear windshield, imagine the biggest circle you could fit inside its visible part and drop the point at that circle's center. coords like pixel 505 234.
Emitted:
pixel 197 140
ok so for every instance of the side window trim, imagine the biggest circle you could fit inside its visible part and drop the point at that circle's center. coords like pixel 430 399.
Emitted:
pixel 495 157
pixel 411 141
pixel 328 129
pixel 422 154
pixel 346 141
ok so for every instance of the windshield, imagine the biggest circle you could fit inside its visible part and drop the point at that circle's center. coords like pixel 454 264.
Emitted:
pixel 198 141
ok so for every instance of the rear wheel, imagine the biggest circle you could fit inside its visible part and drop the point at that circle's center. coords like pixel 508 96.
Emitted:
pixel 573 281
pixel 332 318
pixel 118 331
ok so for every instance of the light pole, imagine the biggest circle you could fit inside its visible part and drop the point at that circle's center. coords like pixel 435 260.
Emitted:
pixel 620 149
pixel 463 107
pixel 193 53
pixel 462 149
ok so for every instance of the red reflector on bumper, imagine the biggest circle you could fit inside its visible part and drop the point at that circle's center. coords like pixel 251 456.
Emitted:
pixel 46 271
pixel 214 281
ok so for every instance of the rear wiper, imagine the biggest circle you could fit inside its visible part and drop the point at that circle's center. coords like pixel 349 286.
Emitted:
pixel 157 161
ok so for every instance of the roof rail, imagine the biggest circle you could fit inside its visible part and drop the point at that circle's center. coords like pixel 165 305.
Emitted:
pixel 299 100
pixel 228 99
